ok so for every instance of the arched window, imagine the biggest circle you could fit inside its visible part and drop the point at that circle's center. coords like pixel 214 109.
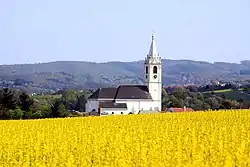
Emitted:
pixel 146 69
pixel 155 70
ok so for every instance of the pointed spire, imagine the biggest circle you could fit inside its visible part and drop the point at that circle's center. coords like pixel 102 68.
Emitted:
pixel 152 51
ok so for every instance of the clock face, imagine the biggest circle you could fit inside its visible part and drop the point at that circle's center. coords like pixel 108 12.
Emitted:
pixel 155 76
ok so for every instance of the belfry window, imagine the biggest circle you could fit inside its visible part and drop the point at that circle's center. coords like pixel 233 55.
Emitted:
pixel 155 70
pixel 146 69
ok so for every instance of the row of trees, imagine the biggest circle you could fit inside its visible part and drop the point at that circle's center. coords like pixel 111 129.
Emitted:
pixel 19 105
pixel 13 103
pixel 181 96
pixel 69 102
pixel 214 87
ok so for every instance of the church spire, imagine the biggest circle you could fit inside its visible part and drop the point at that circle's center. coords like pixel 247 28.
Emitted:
pixel 153 74
pixel 152 50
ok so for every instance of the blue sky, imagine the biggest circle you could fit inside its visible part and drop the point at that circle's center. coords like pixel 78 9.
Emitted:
pixel 34 31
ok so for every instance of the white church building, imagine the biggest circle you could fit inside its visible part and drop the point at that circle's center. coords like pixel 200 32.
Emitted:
pixel 132 99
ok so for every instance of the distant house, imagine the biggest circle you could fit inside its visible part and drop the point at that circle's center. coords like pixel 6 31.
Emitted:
pixel 173 109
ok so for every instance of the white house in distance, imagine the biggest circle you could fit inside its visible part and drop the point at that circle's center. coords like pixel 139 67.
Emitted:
pixel 134 99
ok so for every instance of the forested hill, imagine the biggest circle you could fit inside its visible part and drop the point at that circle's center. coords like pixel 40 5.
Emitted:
pixel 84 75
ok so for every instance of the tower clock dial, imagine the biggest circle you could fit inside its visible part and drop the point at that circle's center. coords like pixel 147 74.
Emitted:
pixel 155 76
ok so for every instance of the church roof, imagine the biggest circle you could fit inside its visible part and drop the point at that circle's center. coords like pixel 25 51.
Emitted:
pixel 133 92
pixel 111 104
pixel 122 92
pixel 104 93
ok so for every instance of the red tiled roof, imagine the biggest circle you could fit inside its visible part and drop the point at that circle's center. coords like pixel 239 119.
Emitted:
pixel 179 109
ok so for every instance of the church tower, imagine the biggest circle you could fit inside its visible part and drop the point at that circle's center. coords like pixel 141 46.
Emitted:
pixel 153 74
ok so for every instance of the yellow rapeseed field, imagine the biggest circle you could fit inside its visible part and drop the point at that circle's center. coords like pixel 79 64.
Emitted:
pixel 212 139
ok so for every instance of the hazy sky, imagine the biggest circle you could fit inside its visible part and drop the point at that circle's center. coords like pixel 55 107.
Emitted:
pixel 33 31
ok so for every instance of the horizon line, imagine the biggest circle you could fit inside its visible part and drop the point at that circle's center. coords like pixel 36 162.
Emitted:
pixel 117 61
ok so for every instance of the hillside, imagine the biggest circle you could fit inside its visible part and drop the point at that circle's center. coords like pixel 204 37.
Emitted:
pixel 83 75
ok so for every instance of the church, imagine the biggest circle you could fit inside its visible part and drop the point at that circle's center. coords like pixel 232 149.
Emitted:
pixel 132 99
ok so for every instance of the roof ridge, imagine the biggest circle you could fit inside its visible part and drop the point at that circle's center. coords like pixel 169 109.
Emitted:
pixel 132 85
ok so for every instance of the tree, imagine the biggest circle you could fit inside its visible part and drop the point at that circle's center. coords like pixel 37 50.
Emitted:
pixel 58 109
pixel 69 99
pixel 174 102
pixel 25 101
pixel 213 102
pixel 62 111
pixel 80 104
pixel 25 104
pixel 206 106
pixel 227 104
pixel 54 106
pixel 44 112
pixel 16 114
pixel 165 100
pixel 8 101
pixel 235 104
pixel 180 93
